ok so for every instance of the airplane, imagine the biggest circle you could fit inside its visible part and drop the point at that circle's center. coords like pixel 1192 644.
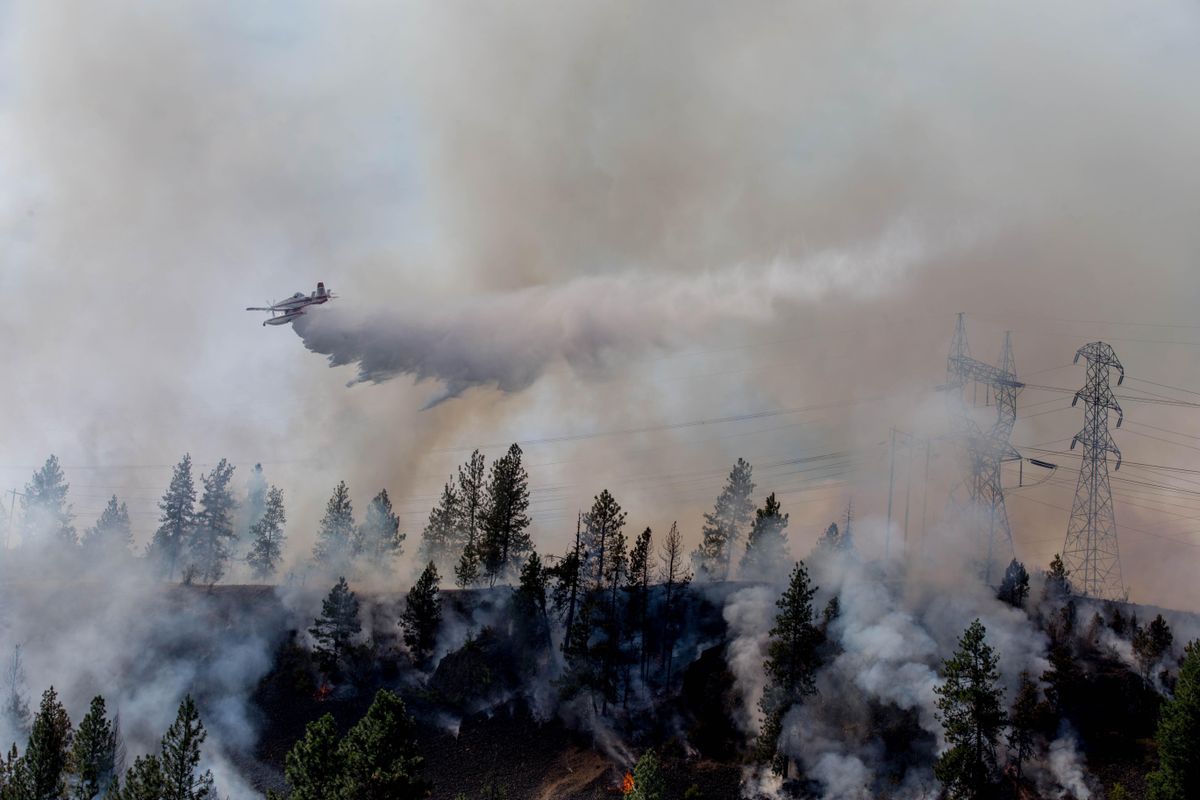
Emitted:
pixel 286 311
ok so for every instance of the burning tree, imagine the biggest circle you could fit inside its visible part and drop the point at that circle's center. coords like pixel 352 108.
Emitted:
pixel 969 707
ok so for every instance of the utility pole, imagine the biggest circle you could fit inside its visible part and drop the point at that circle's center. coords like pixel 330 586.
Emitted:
pixel 1090 550
pixel 887 534
pixel 987 451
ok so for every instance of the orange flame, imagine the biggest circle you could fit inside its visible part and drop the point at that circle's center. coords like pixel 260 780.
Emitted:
pixel 627 784
pixel 323 691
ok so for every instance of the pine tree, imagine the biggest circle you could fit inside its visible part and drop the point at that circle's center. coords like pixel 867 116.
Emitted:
pixel 179 759
pixel 441 531
pixel 724 525
pixel 605 521
pixel 144 780
pixel 1058 581
pixel 505 522
pixel 969 707
pixel 15 708
pixel 313 766
pixel 94 753
pixel 177 519
pixel 648 781
pixel 45 513
pixel 791 665
pixel 472 495
pixel 529 600
pixel 1151 643
pixel 378 539
pixel 47 753
pixel 332 550
pixel 1026 719
pixel 214 534
pixel 422 614
pixel 112 535
pixel 379 754
pixel 254 508
pixel 638 586
pixel 767 545
pixel 1178 773
pixel 567 576
pixel 1014 587
pixel 334 631
pixel 675 579
pixel 267 536
pixel 12 776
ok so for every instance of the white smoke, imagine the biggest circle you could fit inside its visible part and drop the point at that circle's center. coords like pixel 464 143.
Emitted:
pixel 509 340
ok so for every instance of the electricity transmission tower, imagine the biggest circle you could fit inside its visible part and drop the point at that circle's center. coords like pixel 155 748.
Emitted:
pixel 987 450
pixel 1090 550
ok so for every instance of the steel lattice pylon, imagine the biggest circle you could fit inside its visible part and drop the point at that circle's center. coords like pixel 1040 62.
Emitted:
pixel 1090 551
pixel 987 451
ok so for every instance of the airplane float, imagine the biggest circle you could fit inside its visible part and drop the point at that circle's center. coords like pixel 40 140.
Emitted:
pixel 286 311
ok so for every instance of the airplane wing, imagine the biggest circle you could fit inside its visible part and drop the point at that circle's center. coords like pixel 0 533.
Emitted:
pixel 258 308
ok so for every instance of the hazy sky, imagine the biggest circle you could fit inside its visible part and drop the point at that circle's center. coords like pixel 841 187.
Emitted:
pixel 629 216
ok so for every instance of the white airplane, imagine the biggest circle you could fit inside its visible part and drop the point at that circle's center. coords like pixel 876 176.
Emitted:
pixel 285 311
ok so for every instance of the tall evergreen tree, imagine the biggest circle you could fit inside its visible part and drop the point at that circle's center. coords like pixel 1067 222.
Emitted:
pixel 972 717
pixel 45 513
pixel 267 536
pixel 214 533
pixel 604 521
pixel 530 604
pixel 472 496
pixel 254 508
pixel 94 753
pixel 176 520
pixel 332 550
pixel 1151 643
pixel 675 579
pixel 180 756
pixel 379 754
pixel 378 539
pixel 1178 773
pixel 47 753
pixel 441 531
pixel 1027 718
pixel 112 535
pixel 648 780
pixel 15 709
pixel 567 575
pixel 313 767
pixel 767 545
pixel 144 780
pixel 1014 587
pixel 1057 587
pixel 791 665
pixel 505 522
pixel 422 614
pixel 334 631
pixel 638 585
pixel 725 524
